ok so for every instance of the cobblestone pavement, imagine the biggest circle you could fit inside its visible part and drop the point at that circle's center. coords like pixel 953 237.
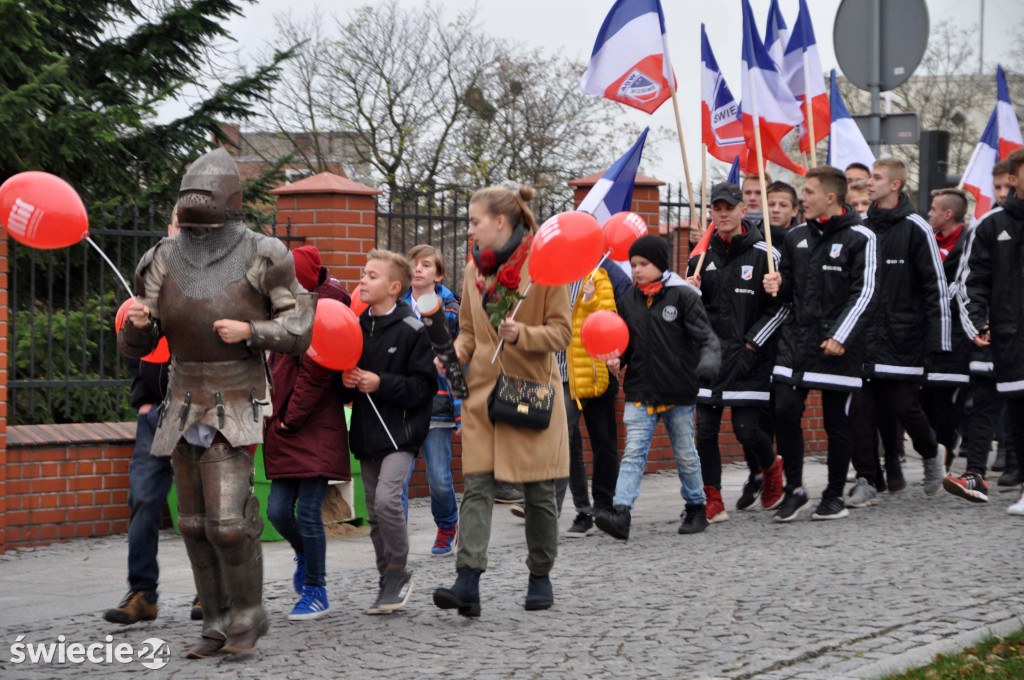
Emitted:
pixel 746 599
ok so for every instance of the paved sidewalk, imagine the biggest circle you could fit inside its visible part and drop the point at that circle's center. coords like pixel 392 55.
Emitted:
pixel 886 588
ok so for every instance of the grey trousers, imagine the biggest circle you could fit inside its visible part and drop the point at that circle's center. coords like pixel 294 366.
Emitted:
pixel 383 482
pixel 475 523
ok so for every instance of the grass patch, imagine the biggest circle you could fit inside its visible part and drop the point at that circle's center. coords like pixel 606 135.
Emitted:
pixel 994 658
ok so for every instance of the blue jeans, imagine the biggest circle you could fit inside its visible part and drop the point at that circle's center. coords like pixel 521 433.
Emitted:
pixel 294 509
pixel 149 479
pixel 639 433
pixel 437 457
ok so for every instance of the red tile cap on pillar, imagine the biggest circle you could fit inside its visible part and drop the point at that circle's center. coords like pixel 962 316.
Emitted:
pixel 326 183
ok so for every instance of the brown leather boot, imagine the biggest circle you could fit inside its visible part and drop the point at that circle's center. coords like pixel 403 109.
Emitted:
pixel 134 607
pixel 209 644
pixel 244 641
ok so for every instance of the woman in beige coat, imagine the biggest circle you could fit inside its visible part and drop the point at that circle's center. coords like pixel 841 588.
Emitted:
pixel 502 226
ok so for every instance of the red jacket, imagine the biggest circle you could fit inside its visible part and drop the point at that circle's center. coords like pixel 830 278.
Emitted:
pixel 316 441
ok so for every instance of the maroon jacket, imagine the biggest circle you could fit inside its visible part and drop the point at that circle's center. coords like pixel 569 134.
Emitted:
pixel 316 441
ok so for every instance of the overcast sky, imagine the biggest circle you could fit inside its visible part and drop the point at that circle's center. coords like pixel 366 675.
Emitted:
pixel 569 27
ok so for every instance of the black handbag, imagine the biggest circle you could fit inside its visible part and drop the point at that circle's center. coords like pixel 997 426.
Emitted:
pixel 521 402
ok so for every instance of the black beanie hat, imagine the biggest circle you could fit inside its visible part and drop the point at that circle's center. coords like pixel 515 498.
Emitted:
pixel 652 248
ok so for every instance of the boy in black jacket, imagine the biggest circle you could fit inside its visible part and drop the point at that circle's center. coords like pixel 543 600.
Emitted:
pixel 671 347
pixel 745 319
pixel 393 387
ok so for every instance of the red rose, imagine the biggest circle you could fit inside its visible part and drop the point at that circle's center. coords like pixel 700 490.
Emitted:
pixel 487 261
pixel 509 278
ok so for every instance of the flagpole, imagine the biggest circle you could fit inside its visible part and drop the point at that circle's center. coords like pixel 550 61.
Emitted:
pixel 703 188
pixel 682 146
pixel 810 113
pixel 764 187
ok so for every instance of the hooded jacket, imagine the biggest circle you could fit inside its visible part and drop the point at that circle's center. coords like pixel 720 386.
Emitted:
pixel 588 377
pixel 740 312
pixel 671 344
pixel 395 347
pixel 993 290
pixel 828 274
pixel 305 435
pixel 911 315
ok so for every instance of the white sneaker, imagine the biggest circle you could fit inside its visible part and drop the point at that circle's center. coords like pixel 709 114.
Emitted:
pixel 1017 508
pixel 864 494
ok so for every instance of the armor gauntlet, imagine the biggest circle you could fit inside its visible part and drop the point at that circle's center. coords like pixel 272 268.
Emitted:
pixel 138 342
pixel 291 331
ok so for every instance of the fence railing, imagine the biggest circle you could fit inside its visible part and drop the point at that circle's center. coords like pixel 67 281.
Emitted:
pixel 441 219
pixel 675 216
pixel 64 365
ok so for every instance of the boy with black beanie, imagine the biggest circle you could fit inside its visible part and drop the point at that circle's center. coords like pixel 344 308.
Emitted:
pixel 672 350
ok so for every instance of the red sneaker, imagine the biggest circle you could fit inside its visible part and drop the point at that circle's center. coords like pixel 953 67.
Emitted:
pixel 715 506
pixel 771 493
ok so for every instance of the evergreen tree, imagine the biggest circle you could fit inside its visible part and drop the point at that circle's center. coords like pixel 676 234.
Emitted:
pixel 82 82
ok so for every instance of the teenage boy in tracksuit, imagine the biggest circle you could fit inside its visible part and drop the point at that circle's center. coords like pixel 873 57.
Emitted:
pixel 911 318
pixel 672 348
pixel 828 274
pixel 745 319
pixel 993 296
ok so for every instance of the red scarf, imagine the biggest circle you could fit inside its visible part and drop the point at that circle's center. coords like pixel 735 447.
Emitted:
pixel 485 284
pixel 947 242
pixel 651 289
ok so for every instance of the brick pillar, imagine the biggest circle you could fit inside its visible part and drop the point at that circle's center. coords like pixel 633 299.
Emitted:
pixel 336 215
pixel 646 196
pixel 4 344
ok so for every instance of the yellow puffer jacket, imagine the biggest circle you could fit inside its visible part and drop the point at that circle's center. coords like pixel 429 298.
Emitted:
pixel 588 377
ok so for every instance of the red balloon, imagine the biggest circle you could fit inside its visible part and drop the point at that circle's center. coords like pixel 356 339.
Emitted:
pixel 43 211
pixel 337 339
pixel 565 249
pixel 604 335
pixel 620 231
pixel 160 355
pixel 357 305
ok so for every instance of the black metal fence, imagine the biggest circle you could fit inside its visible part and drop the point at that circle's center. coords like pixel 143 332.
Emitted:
pixel 675 216
pixel 63 360
pixel 441 219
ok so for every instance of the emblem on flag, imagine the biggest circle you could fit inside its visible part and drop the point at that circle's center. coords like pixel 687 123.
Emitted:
pixel 836 249
pixel 747 272
pixel 639 87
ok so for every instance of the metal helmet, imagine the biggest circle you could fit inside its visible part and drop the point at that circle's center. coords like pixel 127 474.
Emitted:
pixel 211 192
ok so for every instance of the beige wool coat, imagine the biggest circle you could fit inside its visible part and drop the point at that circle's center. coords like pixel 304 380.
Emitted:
pixel 514 454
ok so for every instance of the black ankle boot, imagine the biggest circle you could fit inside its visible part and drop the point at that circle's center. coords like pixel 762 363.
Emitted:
pixel 1012 474
pixel 694 520
pixel 539 594
pixel 464 595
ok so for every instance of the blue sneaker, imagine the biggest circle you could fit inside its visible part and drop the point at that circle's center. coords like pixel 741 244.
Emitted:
pixel 299 579
pixel 312 604
pixel 444 544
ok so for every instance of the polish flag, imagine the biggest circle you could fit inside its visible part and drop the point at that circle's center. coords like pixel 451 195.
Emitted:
pixel 978 175
pixel 630 62
pixel 776 34
pixel 767 105
pixel 802 72
pixel 846 144
pixel 1009 128
pixel 722 126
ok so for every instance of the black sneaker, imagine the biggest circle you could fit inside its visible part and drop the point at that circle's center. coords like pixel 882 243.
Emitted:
pixel 581 526
pixel 793 504
pixel 751 490
pixel 395 592
pixel 614 523
pixel 831 508
pixel 695 519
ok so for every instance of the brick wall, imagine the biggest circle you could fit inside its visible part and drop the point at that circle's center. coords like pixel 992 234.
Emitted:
pixel 66 481
pixel 3 387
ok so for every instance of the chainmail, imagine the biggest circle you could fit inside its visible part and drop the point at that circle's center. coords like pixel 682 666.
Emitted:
pixel 202 264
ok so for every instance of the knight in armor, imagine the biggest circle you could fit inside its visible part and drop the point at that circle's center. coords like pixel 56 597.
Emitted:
pixel 222 295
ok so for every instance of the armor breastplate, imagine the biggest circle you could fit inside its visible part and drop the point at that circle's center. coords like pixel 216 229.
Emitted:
pixel 188 322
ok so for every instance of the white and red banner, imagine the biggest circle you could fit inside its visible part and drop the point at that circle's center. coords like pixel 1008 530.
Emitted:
pixel 776 35
pixel 978 175
pixel 630 62
pixel 722 126
pixel 802 72
pixel 768 105
pixel 1009 128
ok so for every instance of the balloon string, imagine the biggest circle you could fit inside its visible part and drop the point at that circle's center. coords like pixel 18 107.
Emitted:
pixel 511 317
pixel 594 273
pixel 116 272
pixel 393 443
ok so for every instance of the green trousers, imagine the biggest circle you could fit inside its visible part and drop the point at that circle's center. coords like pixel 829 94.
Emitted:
pixel 475 523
